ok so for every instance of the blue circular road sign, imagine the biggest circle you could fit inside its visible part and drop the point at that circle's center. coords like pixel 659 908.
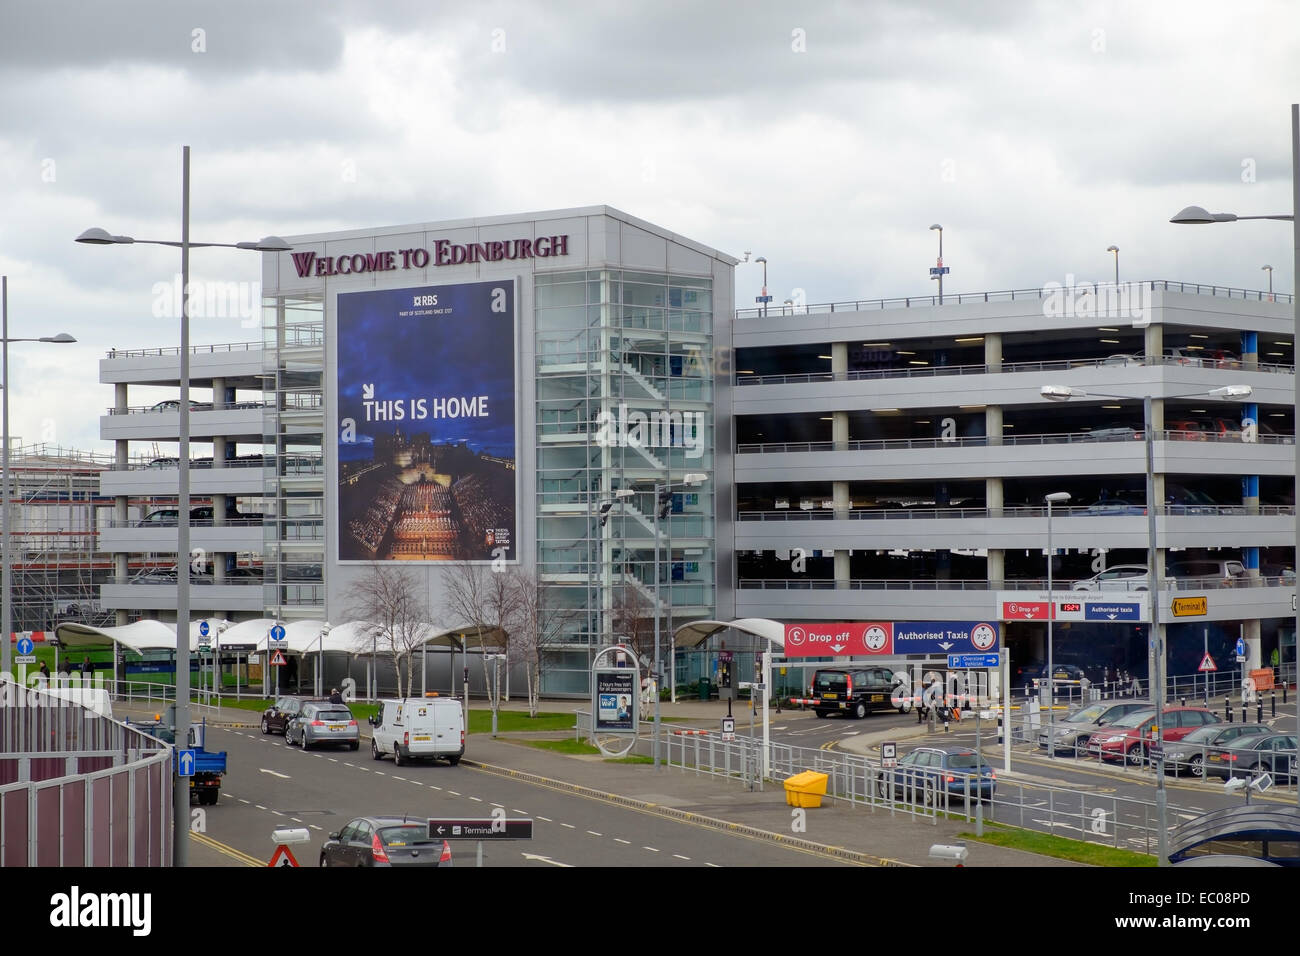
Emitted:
pixel 25 646
pixel 203 628
pixel 277 633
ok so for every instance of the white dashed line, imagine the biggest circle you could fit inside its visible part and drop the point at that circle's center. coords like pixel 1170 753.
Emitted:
pixel 277 813
pixel 435 787
pixel 380 773
pixel 416 782
pixel 313 826
pixel 242 800
pixel 477 799
pixel 453 793
pixel 621 840
pixel 295 819
pixel 594 833
pixel 547 819
pixel 714 865
pixel 333 760
pixel 346 764
pixel 501 805
pixel 650 848
pixel 396 777
pixel 568 826
pixel 259 806
pixel 680 857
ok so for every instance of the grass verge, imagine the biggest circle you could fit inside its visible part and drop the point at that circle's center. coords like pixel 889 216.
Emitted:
pixel 1048 844
pixel 571 747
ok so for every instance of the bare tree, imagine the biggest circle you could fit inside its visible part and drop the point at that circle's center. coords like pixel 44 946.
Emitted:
pixel 537 623
pixel 632 619
pixel 481 596
pixel 394 618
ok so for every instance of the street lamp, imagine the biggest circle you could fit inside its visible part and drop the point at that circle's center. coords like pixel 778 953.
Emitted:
pixel 664 504
pixel 1056 497
pixel 764 298
pixel 6 617
pixel 101 237
pixel 1156 643
pixel 1269 270
pixel 603 511
pixel 1115 249
pixel 937 272
pixel 1195 215
pixel 320 656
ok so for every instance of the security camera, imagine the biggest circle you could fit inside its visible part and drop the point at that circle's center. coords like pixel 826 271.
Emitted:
pixel 949 851
pixel 1235 784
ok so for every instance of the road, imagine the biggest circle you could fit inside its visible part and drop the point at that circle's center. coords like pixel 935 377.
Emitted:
pixel 270 785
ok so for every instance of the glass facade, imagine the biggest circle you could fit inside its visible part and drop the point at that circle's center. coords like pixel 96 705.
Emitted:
pixel 624 402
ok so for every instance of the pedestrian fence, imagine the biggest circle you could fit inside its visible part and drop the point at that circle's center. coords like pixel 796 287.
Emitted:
pixel 928 793
pixel 78 788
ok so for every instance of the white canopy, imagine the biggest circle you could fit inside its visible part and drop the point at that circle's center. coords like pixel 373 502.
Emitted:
pixel 138 636
pixel 697 632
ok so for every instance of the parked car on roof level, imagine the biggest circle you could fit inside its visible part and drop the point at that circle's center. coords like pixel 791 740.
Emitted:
pixel 1186 429
pixel 1225 572
pixel 1113 506
pixel 1115 431
pixel 1122 360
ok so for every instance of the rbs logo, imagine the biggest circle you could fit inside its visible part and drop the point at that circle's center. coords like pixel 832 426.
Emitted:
pixel 424 300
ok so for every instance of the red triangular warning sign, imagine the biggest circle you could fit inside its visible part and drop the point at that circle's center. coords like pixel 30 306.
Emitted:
pixel 1207 663
pixel 277 659
pixel 282 856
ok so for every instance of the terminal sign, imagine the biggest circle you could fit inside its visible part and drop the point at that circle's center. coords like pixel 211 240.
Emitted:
pixel 1190 606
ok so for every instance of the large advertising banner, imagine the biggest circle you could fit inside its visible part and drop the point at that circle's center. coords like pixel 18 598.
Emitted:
pixel 427 436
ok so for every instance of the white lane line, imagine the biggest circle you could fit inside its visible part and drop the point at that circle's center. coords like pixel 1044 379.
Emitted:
pixel 416 782
pixel 277 813
pixel 594 833
pixel 714 865
pixel 334 759
pixel 313 826
pixel 477 799
pixel 282 776
pixel 501 805
pixel 650 848
pixel 396 777
pixel 295 819
pixel 242 800
pixel 680 857
pixel 547 819
pixel 568 826
pixel 453 793
pixel 621 840
pixel 515 809
pixel 435 787
pixel 346 764
pixel 259 806
pixel 380 773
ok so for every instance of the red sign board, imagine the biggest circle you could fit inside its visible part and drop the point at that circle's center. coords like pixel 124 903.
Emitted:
pixel 1025 610
pixel 822 639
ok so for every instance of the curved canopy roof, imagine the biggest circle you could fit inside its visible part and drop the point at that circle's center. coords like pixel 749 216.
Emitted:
pixel 696 633
pixel 1252 821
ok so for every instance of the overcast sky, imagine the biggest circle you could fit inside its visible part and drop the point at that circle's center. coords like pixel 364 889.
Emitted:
pixel 827 137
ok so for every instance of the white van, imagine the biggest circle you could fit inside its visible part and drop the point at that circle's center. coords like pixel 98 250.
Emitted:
pixel 419 728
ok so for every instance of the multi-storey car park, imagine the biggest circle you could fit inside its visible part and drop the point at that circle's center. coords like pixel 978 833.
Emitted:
pixel 881 460
pixel 893 457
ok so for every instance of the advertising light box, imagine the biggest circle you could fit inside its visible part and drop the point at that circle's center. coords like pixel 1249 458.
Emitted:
pixel 427 436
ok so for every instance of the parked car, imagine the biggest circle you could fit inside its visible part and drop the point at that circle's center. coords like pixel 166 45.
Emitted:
pixel 385 841
pixel 174 405
pixel 324 723
pixel 1115 431
pixel 1128 738
pixel 921 774
pixel 1272 753
pixel 419 728
pixel 1033 676
pixel 1123 359
pixel 1180 500
pixel 1121 577
pixel 1074 729
pixel 1222 572
pixel 1192 749
pixel 854 692
pixel 1186 429
pixel 1113 506
pixel 276 718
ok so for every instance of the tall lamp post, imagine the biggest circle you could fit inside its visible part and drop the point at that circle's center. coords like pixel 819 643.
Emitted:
pixel 101 237
pixel 663 505
pixel 1056 497
pixel 605 507
pixel 1269 270
pixel 764 298
pixel 1156 640
pixel 938 271
pixel 1115 250
pixel 6 588
pixel 1195 215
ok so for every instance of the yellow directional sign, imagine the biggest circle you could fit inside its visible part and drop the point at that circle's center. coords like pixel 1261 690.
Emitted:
pixel 1190 606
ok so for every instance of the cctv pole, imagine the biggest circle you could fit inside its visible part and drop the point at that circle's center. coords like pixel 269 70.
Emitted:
pixel 1155 637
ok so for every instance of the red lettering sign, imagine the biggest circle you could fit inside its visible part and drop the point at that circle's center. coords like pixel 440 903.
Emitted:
pixel 825 639
pixel 1024 610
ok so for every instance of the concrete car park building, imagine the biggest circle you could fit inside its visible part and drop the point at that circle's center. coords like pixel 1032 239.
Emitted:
pixel 513 390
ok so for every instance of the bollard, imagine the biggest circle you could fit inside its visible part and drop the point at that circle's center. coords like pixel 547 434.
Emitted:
pixel 1183 701
pixel 1227 709
pixel 1272 703
pixel 1284 686
pixel 1259 710
pixel 1000 731
pixel 1243 710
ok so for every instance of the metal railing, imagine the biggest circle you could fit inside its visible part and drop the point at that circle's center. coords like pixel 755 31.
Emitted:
pixel 1018 511
pixel 1009 295
pixel 194 350
pixel 194 408
pixel 1016 584
pixel 982 441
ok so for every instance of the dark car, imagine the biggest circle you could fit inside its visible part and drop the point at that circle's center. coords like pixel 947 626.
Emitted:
pixel 1189 752
pixel 276 718
pixel 923 773
pixel 1271 753
pixel 1033 676
pixel 855 691
pixel 1113 506
pixel 385 841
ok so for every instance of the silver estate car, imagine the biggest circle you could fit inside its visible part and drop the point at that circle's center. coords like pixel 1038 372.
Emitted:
pixel 323 723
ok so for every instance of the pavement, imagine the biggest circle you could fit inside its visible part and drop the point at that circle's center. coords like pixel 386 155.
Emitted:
pixel 854 834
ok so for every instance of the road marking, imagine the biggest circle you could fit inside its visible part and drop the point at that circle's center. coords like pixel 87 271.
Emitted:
pixel 477 799
pixel 680 857
pixel 515 809
pixel 313 826
pixel 501 805
pixel 346 764
pixel 380 773
pixel 229 851
pixel 714 865
pixel 453 793
pixel 277 813
pixel 396 777
pixel 594 833
pixel 547 819
pixel 851 733
pixel 621 840
pixel 296 819
pixel 416 782
pixel 435 787
pixel 650 848
pixel 547 859
pixel 333 760
pixel 282 776
pixel 259 806
pixel 568 826
pixel 242 800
